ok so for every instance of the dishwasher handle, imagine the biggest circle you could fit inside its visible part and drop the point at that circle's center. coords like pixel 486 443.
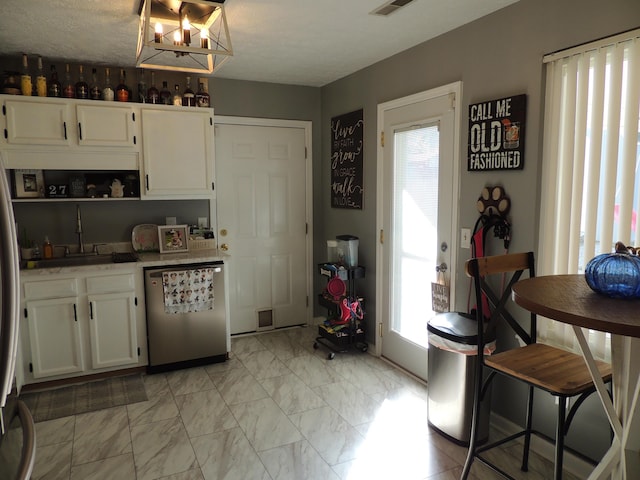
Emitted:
pixel 157 273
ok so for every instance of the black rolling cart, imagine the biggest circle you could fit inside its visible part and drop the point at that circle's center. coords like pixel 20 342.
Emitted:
pixel 344 327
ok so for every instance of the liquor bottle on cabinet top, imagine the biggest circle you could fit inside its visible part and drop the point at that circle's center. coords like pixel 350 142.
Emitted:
pixel 54 88
pixel 165 94
pixel 107 91
pixel 122 91
pixel 189 96
pixel 82 88
pixel 94 89
pixel 25 80
pixel 69 89
pixel 177 96
pixel 153 95
pixel 41 80
pixel 142 87
pixel 203 98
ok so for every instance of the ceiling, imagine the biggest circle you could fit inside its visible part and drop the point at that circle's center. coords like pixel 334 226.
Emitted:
pixel 300 42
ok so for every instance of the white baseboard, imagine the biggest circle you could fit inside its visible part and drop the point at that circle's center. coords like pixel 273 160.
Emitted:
pixel 546 449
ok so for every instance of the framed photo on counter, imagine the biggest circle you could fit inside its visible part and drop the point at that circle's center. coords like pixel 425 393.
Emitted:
pixel 28 183
pixel 173 238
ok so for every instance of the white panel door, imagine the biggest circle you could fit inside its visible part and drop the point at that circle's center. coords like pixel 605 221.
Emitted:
pixel 261 178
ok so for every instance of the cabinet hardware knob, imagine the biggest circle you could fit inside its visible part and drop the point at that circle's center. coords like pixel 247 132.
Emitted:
pixel 224 247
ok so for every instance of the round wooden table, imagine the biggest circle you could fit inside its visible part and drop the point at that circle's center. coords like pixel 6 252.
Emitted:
pixel 568 299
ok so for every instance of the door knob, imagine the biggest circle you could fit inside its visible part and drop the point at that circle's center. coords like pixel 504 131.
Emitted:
pixel 224 247
pixel 441 268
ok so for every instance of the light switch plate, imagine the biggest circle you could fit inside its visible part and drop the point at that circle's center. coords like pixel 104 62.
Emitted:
pixel 202 222
pixel 170 221
pixel 465 238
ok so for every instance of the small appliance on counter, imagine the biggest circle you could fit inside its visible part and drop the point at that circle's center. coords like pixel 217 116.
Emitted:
pixel 347 250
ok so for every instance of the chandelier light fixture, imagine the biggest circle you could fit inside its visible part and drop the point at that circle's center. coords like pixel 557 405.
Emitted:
pixel 183 36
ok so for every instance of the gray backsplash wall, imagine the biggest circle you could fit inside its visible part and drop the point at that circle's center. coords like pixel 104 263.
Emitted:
pixel 102 221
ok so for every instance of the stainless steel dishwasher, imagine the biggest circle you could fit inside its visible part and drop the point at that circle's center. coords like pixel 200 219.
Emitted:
pixel 186 315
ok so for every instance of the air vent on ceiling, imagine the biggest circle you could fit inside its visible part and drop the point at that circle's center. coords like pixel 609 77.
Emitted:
pixel 389 7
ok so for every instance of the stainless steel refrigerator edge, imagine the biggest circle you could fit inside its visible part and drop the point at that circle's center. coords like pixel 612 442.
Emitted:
pixel 17 440
pixel 178 340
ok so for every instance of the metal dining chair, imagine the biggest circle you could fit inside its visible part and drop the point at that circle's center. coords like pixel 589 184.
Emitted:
pixel 561 373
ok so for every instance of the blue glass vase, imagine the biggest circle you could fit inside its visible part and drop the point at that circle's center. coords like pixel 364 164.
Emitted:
pixel 616 275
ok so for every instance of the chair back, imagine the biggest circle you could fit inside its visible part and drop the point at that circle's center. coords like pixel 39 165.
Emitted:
pixel 493 278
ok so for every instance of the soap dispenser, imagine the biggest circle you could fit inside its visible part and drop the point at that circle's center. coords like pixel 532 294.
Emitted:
pixel 47 248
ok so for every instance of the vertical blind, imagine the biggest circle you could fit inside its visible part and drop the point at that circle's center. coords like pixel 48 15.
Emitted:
pixel 591 163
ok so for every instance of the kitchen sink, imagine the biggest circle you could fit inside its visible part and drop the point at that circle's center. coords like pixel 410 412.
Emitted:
pixel 79 260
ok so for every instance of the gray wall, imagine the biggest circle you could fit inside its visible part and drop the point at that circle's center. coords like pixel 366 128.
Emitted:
pixel 495 57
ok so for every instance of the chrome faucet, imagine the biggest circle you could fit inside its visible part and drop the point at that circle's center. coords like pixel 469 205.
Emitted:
pixel 79 230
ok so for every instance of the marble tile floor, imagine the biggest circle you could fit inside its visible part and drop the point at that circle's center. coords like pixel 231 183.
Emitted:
pixel 277 410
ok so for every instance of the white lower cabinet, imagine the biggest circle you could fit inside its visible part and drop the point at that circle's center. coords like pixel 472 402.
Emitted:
pixel 55 334
pixel 83 324
pixel 112 320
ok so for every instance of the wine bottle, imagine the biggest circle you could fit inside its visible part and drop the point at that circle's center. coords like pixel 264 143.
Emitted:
pixel 54 88
pixel 165 94
pixel 189 96
pixel 203 98
pixel 82 88
pixel 153 95
pixel 26 87
pixel 69 89
pixel 94 90
pixel 41 80
pixel 177 96
pixel 122 91
pixel 107 91
pixel 142 87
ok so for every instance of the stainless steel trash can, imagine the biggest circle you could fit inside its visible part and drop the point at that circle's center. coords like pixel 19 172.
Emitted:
pixel 451 378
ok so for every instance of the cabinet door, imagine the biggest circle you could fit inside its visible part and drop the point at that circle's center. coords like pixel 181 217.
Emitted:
pixel 178 158
pixel 55 336
pixel 36 123
pixel 106 126
pixel 112 329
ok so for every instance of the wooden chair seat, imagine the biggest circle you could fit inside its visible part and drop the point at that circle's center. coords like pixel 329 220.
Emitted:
pixel 555 370
pixel 561 373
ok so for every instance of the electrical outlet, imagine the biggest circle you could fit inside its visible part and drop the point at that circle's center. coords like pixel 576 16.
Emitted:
pixel 202 222
pixel 170 221
pixel 465 238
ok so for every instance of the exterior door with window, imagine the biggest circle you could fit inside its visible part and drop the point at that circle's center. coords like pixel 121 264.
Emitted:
pixel 417 213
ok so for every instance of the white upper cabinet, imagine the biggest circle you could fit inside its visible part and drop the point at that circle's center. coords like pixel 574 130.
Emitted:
pixel 106 126
pixel 37 123
pixel 178 153
pixel 69 123
pixel 69 134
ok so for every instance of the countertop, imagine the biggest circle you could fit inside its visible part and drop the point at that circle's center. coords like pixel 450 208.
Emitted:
pixel 144 260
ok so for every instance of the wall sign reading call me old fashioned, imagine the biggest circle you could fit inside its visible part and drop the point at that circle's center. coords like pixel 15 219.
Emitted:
pixel 496 134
